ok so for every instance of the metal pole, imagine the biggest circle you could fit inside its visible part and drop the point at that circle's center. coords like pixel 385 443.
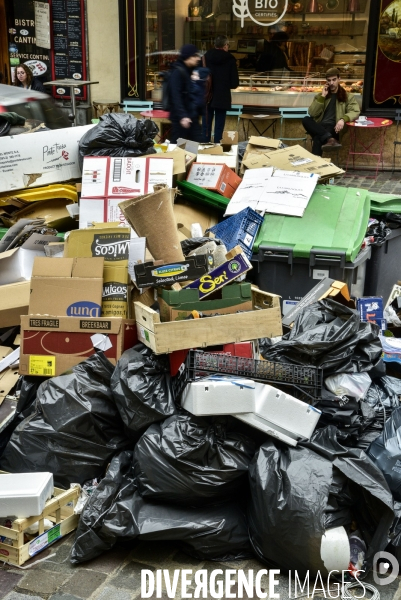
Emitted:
pixel 72 93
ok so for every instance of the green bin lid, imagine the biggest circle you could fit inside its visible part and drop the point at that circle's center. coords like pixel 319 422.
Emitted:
pixel 335 219
pixel 384 203
pixel 3 231
pixel 199 195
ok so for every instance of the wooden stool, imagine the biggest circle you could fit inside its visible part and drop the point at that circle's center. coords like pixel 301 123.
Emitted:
pixel 101 108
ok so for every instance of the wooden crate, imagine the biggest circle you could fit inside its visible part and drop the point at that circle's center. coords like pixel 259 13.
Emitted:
pixel 57 511
pixel 264 321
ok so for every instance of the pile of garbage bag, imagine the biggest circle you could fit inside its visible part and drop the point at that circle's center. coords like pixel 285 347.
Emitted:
pixel 117 512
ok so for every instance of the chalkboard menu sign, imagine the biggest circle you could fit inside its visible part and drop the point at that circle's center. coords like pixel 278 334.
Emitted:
pixel 68 56
pixel 167 11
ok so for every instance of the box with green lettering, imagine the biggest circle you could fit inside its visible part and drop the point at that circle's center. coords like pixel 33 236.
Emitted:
pixel 51 345
pixel 178 305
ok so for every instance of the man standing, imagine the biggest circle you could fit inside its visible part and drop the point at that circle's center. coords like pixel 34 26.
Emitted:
pixel 184 113
pixel 224 73
pixel 329 112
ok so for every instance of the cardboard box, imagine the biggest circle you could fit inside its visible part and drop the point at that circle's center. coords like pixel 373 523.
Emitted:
pixel 293 158
pixel 40 158
pixel 281 415
pixel 214 177
pixel 108 180
pixel 371 309
pixel 151 274
pixel 326 288
pixel 211 331
pixel 217 156
pixel 182 160
pixel 237 264
pixel 229 140
pixel 74 285
pixel 186 214
pixel 14 302
pixel 111 243
pixel 51 345
pixel 219 395
pixel 178 305
pixel 259 145
pixel 16 265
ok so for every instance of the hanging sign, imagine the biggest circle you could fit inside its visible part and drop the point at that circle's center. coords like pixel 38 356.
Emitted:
pixel 261 12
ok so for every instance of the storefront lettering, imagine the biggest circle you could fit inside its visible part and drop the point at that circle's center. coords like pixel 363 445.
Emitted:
pixel 244 9
pixel 24 23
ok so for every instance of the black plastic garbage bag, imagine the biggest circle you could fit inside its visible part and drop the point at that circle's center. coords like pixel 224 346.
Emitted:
pixel 74 430
pixel 329 335
pixel 383 394
pixel 119 134
pixel 189 460
pixel 116 512
pixel 385 452
pixel 288 505
pixel 142 389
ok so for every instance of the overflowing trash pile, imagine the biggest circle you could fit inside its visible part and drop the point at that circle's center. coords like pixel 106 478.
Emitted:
pixel 230 384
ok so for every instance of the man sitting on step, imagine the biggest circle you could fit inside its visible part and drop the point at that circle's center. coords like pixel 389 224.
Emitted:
pixel 329 112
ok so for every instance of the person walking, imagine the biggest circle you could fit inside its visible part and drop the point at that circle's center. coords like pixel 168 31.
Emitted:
pixel 224 73
pixel 25 79
pixel 329 112
pixel 184 112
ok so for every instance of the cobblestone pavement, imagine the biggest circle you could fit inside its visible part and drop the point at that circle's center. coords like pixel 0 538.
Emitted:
pixel 386 182
pixel 116 575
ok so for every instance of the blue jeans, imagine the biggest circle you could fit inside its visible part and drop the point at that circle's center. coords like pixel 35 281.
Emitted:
pixel 219 120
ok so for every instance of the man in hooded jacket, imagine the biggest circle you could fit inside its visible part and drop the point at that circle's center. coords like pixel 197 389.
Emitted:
pixel 224 73
pixel 184 113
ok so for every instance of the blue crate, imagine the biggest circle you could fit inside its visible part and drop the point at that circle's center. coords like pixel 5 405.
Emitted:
pixel 239 230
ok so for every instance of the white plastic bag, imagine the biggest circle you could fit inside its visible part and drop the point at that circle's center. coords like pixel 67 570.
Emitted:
pixel 355 385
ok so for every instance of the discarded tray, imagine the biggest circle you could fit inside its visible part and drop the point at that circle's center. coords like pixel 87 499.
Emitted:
pixel 304 383
pixel 59 510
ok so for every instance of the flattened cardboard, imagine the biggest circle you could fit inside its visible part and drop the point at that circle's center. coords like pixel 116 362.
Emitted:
pixel 54 212
pixel 40 158
pixel 186 214
pixel 74 285
pixel 182 159
pixel 216 177
pixel 63 342
pixel 16 265
pixel 14 302
pixel 259 145
pixel 293 158
pixel 151 275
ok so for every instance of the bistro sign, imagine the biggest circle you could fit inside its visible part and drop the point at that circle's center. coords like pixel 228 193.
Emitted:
pixel 271 11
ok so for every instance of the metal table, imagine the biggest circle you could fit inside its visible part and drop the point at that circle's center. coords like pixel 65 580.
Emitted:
pixel 71 83
pixel 359 147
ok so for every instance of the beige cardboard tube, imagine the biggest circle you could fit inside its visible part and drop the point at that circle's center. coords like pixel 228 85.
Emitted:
pixel 152 216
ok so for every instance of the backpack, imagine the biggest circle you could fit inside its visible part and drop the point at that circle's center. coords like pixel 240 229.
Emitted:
pixel 166 87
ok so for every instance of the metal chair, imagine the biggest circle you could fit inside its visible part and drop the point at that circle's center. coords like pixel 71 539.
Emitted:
pixel 235 111
pixel 136 105
pixel 292 113
pixel 397 142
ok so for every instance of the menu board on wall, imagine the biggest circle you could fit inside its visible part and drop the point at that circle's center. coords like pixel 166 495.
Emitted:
pixel 167 10
pixel 69 56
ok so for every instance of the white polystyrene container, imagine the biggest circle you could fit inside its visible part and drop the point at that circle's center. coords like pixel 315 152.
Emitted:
pixel 219 395
pixel 24 494
pixel 335 549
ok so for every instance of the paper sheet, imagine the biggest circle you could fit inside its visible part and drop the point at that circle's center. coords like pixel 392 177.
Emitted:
pixel 274 191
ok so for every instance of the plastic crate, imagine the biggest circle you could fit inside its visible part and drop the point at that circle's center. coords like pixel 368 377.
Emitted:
pixel 305 382
pixel 239 230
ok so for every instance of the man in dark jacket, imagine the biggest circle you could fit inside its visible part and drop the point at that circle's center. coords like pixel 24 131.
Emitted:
pixel 184 113
pixel 224 72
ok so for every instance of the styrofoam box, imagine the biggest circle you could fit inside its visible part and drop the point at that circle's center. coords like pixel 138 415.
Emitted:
pixel 24 494
pixel 217 395
pixel 281 415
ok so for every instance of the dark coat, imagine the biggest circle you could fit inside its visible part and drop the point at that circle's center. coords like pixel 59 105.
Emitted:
pixel 224 72
pixel 36 85
pixel 181 99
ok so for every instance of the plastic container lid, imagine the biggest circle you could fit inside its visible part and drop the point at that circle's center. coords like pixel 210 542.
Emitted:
pixel 335 219
pixel 384 203
pixel 199 195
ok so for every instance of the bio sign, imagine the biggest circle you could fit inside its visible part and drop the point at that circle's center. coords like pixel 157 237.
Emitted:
pixel 261 12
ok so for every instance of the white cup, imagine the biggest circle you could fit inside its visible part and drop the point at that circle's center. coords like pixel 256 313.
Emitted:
pixel 361 118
